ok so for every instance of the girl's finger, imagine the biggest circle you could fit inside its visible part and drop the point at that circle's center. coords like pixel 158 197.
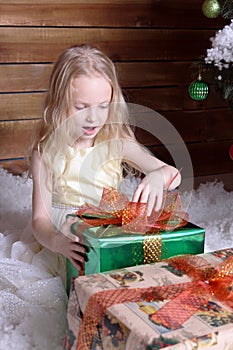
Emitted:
pixel 152 201
pixel 144 195
pixel 77 247
pixel 79 266
pixel 155 202
pixel 138 192
pixel 159 201
pixel 79 257
pixel 136 195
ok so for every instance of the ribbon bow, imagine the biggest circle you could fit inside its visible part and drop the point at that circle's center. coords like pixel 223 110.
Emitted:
pixel 207 282
pixel 115 209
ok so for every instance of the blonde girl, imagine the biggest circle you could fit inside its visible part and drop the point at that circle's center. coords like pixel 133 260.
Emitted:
pixel 80 147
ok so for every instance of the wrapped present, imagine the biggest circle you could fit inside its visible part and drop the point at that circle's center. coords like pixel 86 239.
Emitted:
pixel 119 235
pixel 185 302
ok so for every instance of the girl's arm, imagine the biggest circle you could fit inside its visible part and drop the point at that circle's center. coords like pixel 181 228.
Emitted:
pixel 44 231
pixel 159 175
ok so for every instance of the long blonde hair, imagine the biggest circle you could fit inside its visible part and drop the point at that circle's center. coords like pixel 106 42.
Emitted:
pixel 52 140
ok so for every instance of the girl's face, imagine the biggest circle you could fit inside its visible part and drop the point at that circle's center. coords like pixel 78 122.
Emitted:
pixel 90 106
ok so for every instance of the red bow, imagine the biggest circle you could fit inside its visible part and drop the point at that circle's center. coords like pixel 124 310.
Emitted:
pixel 207 282
pixel 115 209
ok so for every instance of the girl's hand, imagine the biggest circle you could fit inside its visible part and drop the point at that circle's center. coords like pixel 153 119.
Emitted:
pixel 71 246
pixel 150 191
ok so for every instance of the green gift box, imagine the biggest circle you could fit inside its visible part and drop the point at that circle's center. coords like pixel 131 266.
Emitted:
pixel 110 249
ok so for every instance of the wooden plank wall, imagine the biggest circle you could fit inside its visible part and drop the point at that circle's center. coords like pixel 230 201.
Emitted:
pixel 153 43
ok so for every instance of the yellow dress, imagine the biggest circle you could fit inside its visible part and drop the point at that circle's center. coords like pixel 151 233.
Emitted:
pixel 86 172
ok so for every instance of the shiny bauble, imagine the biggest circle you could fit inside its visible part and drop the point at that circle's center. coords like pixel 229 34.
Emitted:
pixel 198 90
pixel 211 8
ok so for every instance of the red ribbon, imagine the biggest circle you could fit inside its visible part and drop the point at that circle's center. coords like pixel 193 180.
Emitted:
pixel 207 282
pixel 115 209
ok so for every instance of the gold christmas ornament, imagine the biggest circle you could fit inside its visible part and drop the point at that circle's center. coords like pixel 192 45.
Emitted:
pixel 211 8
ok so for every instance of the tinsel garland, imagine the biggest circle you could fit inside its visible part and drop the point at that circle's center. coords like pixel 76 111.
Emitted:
pixel 227 9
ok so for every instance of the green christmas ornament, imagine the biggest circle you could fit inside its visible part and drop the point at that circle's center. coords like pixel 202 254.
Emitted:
pixel 198 89
pixel 211 8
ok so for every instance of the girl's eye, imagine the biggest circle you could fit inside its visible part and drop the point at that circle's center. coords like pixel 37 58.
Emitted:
pixel 104 105
pixel 79 108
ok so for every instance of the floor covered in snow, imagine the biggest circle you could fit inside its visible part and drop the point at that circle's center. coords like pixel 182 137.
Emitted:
pixel 33 301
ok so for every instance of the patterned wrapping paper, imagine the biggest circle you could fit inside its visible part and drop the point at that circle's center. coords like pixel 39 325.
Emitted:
pixel 130 326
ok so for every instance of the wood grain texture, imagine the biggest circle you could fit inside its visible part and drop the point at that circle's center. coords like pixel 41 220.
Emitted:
pixel 14 106
pixel 21 106
pixel 24 77
pixel 16 138
pixel 22 44
pixel 212 159
pixel 79 14
pixel 35 77
pixel 172 98
pixel 153 44
pixel 192 126
pixel 105 14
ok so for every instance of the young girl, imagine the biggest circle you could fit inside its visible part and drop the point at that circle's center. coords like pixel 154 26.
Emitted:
pixel 82 144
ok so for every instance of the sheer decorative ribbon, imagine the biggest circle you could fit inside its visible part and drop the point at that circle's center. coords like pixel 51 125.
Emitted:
pixel 115 209
pixel 185 298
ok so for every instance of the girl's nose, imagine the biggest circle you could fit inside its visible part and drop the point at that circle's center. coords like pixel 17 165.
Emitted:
pixel 92 114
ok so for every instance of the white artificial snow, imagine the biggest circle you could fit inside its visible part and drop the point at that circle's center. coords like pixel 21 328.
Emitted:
pixel 211 208
pixel 221 52
pixel 33 301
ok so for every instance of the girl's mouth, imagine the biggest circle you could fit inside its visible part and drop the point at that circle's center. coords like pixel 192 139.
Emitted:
pixel 89 130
